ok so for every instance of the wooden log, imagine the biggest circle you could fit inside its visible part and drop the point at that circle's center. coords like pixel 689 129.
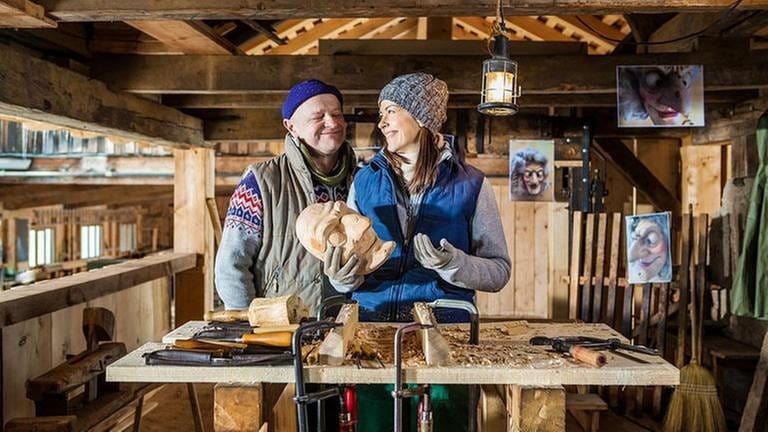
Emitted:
pixel 333 349
pixel 266 312
pixel 229 407
pixel 435 347
pixel 77 371
pixel 535 408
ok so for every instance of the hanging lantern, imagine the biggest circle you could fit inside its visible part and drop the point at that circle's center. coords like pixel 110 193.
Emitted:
pixel 500 89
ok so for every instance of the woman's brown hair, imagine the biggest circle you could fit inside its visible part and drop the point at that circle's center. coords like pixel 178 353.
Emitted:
pixel 428 159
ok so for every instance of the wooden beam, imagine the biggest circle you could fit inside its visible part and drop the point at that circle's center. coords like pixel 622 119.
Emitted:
pixel 638 174
pixel 106 195
pixel 52 295
pixel 23 14
pixel 439 28
pixel 256 44
pixel 264 30
pixel 443 48
pixel 193 231
pixel 365 29
pixel 116 10
pixel 189 37
pixel 725 70
pixel 34 89
pixel 536 29
pixel 396 30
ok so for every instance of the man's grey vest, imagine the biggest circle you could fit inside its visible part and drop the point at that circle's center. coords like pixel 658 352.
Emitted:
pixel 283 266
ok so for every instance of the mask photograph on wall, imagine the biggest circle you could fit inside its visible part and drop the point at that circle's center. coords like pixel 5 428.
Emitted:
pixel 649 250
pixel 660 96
pixel 531 170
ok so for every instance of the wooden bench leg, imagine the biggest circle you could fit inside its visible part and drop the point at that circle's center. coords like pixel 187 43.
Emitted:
pixel 137 414
pixel 540 409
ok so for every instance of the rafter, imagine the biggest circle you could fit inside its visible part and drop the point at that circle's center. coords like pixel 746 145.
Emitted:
pixel 365 29
pixel 189 37
pixel 23 14
pixel 392 32
pixel 258 43
pixel 304 41
pixel 577 30
pixel 536 29
pixel 120 10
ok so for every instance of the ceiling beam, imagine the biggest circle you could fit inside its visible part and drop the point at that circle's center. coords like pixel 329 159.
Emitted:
pixel 23 14
pixel 35 89
pixel 82 197
pixel 189 37
pixel 275 100
pixel 726 69
pixel 120 10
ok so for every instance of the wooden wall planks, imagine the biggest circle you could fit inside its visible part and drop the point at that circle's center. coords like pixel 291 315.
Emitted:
pixel 34 346
pixel 537 238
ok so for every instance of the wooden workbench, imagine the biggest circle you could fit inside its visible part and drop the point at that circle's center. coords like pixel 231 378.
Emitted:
pixel 541 368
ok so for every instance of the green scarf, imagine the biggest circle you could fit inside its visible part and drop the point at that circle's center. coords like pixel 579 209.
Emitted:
pixel 340 172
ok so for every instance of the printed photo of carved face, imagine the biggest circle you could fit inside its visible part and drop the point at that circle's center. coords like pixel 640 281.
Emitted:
pixel 529 170
pixel 649 255
pixel 333 223
pixel 660 96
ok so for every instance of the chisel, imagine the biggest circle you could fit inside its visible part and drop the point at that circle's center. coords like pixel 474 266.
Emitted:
pixel 280 339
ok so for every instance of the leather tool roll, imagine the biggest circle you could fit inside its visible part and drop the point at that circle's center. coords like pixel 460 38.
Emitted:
pixel 177 357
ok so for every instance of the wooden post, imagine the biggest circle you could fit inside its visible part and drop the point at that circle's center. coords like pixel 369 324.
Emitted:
pixel 193 232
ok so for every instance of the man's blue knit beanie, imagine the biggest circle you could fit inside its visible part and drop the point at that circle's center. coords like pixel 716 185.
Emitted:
pixel 305 90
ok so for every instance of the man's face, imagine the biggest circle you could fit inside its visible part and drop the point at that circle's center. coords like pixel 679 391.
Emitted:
pixel 533 178
pixel 666 94
pixel 648 250
pixel 319 123
pixel 334 224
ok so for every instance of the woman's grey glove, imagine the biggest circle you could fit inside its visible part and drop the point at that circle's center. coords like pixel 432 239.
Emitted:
pixel 431 257
pixel 338 274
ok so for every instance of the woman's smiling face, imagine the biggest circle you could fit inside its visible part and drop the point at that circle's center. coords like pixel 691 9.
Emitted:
pixel 399 128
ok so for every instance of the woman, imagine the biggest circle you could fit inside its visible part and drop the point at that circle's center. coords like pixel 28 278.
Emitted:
pixel 419 195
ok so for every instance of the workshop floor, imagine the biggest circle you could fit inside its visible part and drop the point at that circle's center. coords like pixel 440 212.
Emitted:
pixel 168 410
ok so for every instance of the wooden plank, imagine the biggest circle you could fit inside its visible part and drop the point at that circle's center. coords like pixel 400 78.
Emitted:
pixel 189 37
pixel 726 70
pixel 27 352
pixel 524 260
pixel 701 177
pixel 35 89
pixel 610 316
pixel 627 310
pixel 597 303
pixel 756 408
pixel 644 320
pixel 558 261
pixel 575 271
pixel 42 298
pixel 112 10
pixel 333 349
pixel 586 288
pixel 435 347
pixel 373 47
pixel 23 14
pixel 541 260
pixel 229 401
pixel 684 283
pixel 193 184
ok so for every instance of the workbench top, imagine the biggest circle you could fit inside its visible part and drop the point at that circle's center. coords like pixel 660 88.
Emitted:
pixel 533 366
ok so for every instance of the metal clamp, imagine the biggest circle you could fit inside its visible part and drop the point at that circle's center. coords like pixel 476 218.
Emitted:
pixel 401 391
pixel 474 316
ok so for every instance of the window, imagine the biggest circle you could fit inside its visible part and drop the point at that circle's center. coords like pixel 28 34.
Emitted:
pixel 127 237
pixel 90 241
pixel 40 246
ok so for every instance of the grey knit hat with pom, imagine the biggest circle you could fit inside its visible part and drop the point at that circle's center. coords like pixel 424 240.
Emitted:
pixel 422 95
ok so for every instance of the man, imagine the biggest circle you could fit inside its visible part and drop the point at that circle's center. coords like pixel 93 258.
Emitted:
pixel 259 254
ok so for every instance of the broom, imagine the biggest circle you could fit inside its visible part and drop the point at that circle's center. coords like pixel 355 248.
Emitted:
pixel 695 406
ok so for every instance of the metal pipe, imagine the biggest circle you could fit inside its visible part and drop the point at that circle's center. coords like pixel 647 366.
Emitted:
pixel 399 392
